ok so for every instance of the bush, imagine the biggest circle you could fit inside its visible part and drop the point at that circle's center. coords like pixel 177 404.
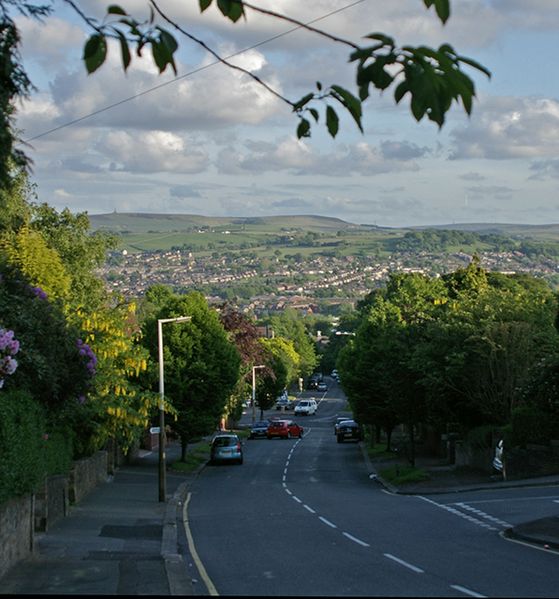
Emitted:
pixel 530 425
pixel 58 452
pixel 22 444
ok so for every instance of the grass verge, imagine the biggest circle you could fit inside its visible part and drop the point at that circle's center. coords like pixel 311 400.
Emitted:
pixel 401 474
pixel 198 455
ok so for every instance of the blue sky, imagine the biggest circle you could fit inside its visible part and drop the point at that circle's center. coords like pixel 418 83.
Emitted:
pixel 215 143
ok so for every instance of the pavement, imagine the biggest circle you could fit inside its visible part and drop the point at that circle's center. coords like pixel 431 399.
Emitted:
pixel 120 540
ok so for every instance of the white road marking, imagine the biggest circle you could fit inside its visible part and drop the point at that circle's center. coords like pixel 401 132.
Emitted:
pixel 327 522
pixel 309 508
pixel 460 514
pixel 288 491
pixel 481 514
pixel 296 499
pixel 355 539
pixel 466 591
pixel 403 563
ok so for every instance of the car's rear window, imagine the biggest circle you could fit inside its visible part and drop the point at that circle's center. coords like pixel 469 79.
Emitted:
pixel 225 441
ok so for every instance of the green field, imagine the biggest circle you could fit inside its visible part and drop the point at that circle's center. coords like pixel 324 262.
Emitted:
pixel 305 235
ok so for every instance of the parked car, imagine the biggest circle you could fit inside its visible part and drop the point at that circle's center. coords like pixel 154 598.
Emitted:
pixel 339 420
pixel 312 384
pixel 259 429
pixel 322 386
pixel 226 447
pixel 349 429
pixel 284 429
pixel 498 459
pixel 306 407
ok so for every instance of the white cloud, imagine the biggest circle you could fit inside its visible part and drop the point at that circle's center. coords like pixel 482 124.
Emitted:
pixel 151 152
pixel 509 127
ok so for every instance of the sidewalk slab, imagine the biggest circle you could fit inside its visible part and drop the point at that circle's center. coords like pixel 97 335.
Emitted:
pixel 111 543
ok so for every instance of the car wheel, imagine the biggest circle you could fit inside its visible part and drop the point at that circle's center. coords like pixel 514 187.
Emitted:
pixel 268 436
pixel 340 439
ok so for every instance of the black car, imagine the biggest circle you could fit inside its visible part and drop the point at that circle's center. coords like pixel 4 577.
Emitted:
pixel 349 429
pixel 259 429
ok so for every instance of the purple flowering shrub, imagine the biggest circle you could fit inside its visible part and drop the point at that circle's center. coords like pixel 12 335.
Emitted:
pixel 9 346
pixel 86 351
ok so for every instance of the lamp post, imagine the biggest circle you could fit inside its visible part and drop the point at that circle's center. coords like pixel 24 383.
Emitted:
pixel 162 438
pixel 254 368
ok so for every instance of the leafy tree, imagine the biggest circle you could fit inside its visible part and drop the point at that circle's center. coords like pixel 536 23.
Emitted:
pixel 290 326
pixel 244 335
pixel 201 365
pixel 434 78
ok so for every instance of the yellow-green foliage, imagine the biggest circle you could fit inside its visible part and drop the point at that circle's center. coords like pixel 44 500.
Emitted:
pixel 28 252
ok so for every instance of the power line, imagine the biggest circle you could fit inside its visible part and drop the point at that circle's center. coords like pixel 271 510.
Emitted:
pixel 212 64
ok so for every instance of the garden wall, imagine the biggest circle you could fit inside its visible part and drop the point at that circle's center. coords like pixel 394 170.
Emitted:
pixel 21 517
pixel 16 531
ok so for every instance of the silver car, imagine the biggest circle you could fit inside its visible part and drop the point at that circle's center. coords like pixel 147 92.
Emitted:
pixel 226 447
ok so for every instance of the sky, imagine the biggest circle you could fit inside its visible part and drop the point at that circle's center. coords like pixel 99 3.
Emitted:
pixel 212 142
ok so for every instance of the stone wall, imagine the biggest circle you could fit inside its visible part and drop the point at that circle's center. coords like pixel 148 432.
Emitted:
pixel 21 517
pixel 86 474
pixel 16 531
pixel 466 456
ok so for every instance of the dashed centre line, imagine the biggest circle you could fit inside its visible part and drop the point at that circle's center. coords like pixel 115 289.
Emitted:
pixel 390 556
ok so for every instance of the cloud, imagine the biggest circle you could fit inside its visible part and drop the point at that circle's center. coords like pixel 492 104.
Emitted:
pixel 507 127
pixel 151 152
pixel 299 158
pixel 544 169
pixel 483 192
pixel 402 150
pixel 184 191
pixel 472 176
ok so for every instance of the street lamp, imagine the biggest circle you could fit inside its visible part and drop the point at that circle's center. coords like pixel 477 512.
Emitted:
pixel 254 368
pixel 162 439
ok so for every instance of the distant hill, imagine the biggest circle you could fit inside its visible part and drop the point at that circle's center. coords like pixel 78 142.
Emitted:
pixel 139 223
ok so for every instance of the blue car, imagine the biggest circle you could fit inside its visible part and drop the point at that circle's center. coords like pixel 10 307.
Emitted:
pixel 259 429
pixel 226 447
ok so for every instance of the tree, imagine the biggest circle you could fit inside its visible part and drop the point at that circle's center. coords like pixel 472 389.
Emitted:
pixel 244 335
pixel 433 78
pixel 201 365
pixel 290 326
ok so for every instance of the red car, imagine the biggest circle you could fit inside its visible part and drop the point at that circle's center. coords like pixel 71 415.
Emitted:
pixel 285 429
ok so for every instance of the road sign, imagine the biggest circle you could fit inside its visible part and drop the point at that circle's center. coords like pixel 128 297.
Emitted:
pixel 154 430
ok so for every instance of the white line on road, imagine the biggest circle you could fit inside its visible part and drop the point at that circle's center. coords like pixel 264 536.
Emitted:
pixel 331 524
pixel 456 512
pixel 309 508
pixel 466 591
pixel 296 499
pixel 403 563
pixel 288 492
pixel 355 539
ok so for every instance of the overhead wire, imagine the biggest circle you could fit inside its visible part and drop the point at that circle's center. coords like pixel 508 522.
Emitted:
pixel 190 73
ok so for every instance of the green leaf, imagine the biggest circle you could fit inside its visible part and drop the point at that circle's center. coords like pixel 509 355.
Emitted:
pixel 352 103
pixel 231 9
pixel 304 128
pixel 314 113
pixel 401 91
pixel 124 50
pixel 205 4
pixel 114 9
pixel 304 100
pixel 332 121
pixel 169 40
pixel 475 65
pixel 95 52
pixel 442 8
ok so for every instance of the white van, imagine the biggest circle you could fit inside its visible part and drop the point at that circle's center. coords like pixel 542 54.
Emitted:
pixel 306 407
